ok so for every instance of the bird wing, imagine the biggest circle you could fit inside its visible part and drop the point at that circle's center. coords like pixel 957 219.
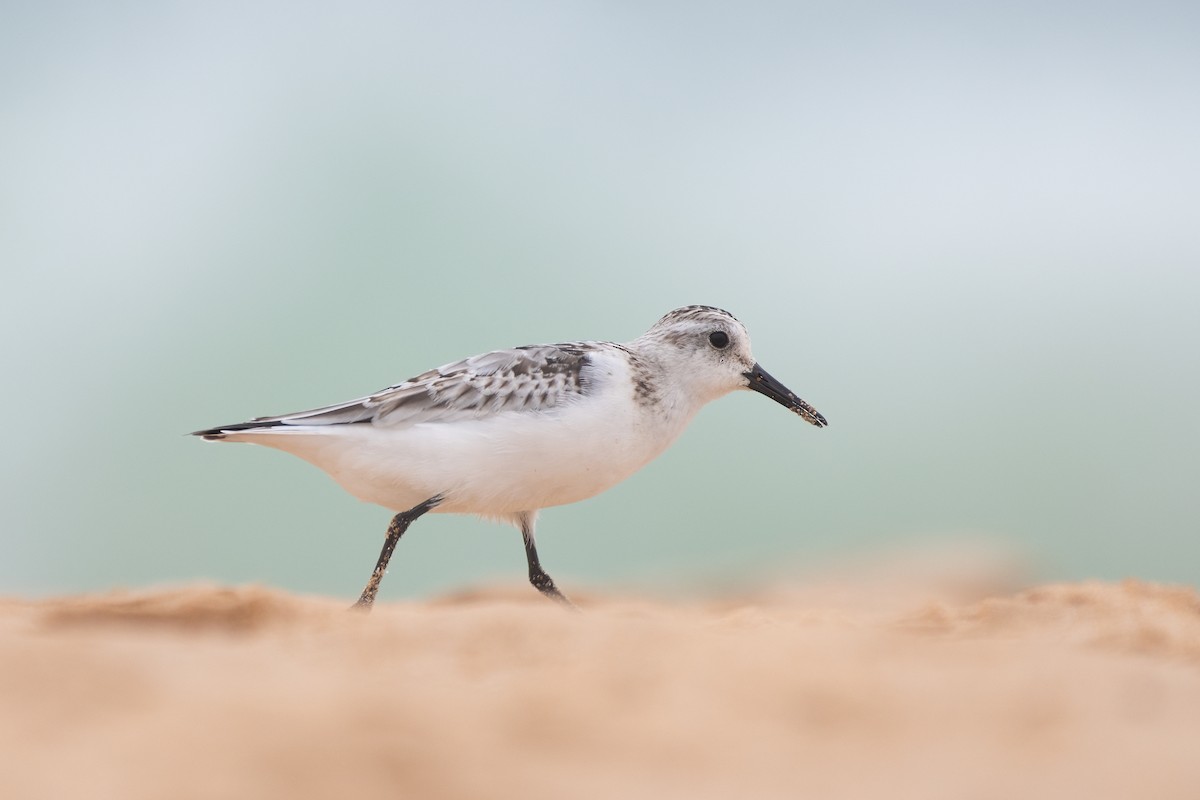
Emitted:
pixel 532 378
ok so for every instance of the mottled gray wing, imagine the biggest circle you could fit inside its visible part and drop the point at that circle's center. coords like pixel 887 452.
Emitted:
pixel 530 378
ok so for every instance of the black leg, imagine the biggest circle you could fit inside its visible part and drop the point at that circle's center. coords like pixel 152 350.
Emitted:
pixel 396 529
pixel 537 576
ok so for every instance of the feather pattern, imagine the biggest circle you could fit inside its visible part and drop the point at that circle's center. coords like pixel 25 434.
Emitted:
pixel 531 378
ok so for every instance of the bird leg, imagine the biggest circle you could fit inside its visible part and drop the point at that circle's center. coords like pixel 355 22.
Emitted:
pixel 396 529
pixel 537 576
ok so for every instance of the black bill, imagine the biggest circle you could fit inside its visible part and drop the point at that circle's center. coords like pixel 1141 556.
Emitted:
pixel 762 382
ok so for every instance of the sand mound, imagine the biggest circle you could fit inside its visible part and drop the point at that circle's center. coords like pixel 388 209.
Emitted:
pixel 1060 691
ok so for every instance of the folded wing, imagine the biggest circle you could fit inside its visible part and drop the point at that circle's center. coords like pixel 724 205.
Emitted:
pixel 521 379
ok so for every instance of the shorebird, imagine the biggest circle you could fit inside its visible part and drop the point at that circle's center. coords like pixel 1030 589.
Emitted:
pixel 507 433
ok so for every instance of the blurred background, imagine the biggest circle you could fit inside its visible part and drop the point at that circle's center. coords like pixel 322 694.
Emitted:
pixel 966 233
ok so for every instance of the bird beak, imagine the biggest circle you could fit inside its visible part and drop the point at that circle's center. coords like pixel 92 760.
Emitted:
pixel 761 381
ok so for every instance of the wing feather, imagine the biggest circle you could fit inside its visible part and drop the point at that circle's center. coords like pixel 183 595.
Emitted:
pixel 521 379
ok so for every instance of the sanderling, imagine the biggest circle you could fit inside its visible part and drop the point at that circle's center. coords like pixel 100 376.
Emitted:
pixel 507 433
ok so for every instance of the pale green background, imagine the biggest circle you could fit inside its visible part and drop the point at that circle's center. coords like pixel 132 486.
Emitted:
pixel 967 233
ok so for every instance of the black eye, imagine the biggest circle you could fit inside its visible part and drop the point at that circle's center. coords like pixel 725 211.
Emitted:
pixel 719 339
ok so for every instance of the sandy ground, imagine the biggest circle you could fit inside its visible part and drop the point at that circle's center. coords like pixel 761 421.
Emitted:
pixel 846 689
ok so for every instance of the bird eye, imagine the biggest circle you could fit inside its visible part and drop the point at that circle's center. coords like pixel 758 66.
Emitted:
pixel 719 339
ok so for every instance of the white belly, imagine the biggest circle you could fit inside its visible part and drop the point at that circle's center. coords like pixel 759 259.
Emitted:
pixel 497 466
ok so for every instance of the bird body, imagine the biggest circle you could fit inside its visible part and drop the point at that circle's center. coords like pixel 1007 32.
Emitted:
pixel 494 464
pixel 506 433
